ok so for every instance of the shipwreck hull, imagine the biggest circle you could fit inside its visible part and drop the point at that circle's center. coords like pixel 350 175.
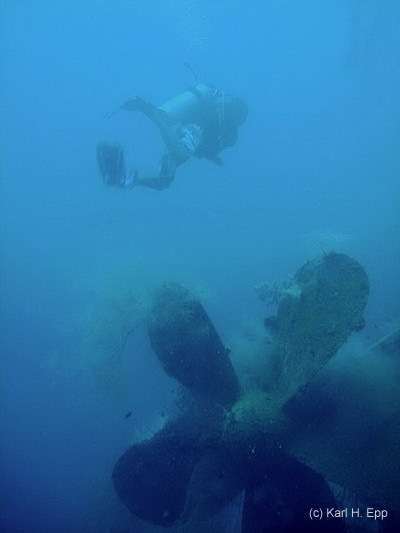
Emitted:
pixel 192 469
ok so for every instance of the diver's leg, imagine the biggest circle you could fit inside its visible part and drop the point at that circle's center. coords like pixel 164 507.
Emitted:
pixel 165 176
pixel 168 134
pixel 181 143
pixel 187 139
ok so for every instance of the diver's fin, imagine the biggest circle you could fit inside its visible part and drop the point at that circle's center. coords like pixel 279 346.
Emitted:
pixel 189 66
pixel 110 159
pixel 111 113
pixel 133 104
pixel 137 104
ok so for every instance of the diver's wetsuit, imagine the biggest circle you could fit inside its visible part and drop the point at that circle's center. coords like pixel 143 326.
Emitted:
pixel 205 133
pixel 203 129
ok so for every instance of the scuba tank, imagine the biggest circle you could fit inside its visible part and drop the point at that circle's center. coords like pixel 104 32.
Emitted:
pixel 187 104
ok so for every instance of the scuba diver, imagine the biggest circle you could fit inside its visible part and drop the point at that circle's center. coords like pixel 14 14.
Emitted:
pixel 200 122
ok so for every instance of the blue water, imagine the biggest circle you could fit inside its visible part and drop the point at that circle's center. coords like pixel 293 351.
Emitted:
pixel 317 166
